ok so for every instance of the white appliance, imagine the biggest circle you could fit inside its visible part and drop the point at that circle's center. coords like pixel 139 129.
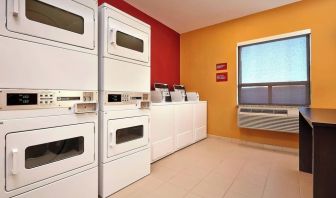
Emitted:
pixel 182 90
pixel 48 98
pixel 270 118
pixel 124 88
pixel 124 140
pixel 46 43
pixel 49 143
pixel 192 96
pixel 124 51
pixel 164 90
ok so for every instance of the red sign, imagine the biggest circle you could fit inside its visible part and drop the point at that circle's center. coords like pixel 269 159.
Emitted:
pixel 221 77
pixel 221 66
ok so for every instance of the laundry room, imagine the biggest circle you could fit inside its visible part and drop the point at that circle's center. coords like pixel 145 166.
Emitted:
pixel 167 99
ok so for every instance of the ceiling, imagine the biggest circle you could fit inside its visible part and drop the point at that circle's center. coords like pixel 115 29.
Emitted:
pixel 187 15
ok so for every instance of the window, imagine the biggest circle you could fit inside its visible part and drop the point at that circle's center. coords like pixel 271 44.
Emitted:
pixel 53 16
pixel 130 42
pixel 129 134
pixel 51 152
pixel 275 72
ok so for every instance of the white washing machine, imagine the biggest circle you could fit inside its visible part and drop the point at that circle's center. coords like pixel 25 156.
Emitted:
pixel 124 87
pixel 49 144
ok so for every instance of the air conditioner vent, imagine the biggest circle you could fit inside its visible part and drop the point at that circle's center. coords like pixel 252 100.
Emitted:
pixel 274 119
pixel 280 111
pixel 269 111
pixel 245 110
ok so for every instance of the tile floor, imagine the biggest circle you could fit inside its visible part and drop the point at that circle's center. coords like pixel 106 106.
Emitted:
pixel 214 168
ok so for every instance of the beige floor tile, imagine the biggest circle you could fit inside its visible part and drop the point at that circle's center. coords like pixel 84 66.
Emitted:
pixel 306 185
pixel 214 168
pixel 210 189
pixel 185 181
pixel 192 195
pixel 123 193
pixel 218 179
pixel 247 188
pixel 163 173
pixel 232 194
pixel 168 190
pixel 196 171
pixel 252 177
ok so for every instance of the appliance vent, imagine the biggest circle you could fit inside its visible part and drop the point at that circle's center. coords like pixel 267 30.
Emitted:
pixel 268 118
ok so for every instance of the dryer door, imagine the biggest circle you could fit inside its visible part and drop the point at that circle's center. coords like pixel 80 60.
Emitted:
pixel 64 21
pixel 38 154
pixel 127 41
pixel 127 134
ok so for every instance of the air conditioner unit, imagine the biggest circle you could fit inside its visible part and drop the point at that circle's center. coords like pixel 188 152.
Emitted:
pixel 282 119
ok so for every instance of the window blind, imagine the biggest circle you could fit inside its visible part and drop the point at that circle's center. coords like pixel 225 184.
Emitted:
pixel 275 72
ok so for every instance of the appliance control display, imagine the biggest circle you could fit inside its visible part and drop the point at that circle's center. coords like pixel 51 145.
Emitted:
pixel 67 98
pixel 14 99
pixel 24 99
pixel 114 98
pixel 125 98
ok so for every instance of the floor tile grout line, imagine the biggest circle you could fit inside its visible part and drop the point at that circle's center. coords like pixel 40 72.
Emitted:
pixel 267 178
pixel 199 183
pixel 234 179
pixel 300 188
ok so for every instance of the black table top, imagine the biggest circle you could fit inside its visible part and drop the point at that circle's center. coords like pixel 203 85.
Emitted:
pixel 316 116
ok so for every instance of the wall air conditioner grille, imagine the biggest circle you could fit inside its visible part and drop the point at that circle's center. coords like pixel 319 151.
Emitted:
pixel 269 111
pixel 273 119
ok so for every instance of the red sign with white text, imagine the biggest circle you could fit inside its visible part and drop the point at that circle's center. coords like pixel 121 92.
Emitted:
pixel 222 77
pixel 221 66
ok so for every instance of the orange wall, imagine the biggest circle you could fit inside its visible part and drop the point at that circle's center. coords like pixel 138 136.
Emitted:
pixel 202 49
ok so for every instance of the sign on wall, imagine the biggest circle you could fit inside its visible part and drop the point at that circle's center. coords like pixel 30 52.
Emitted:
pixel 222 77
pixel 221 66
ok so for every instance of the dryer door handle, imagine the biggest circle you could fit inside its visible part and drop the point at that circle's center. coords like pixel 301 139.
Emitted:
pixel 16 7
pixel 111 140
pixel 113 36
pixel 15 154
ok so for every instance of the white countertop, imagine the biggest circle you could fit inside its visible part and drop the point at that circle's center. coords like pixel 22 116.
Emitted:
pixel 177 103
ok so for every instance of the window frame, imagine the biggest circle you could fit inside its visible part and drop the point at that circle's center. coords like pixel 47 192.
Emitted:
pixel 303 33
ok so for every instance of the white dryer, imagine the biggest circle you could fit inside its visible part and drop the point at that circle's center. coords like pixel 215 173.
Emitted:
pixel 49 44
pixel 49 143
pixel 48 98
pixel 124 51
pixel 123 141
pixel 124 87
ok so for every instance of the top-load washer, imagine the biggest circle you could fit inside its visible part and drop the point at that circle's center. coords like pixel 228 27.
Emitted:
pixel 49 44
pixel 124 51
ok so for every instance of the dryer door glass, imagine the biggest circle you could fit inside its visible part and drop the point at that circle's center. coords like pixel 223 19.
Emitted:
pixel 129 134
pixel 130 42
pixel 53 16
pixel 47 153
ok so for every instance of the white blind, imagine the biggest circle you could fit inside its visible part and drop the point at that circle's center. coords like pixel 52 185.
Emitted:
pixel 275 72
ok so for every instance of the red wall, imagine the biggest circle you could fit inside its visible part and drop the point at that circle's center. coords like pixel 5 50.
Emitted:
pixel 165 45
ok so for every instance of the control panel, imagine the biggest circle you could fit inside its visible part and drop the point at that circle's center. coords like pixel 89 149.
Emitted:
pixel 17 99
pixel 125 98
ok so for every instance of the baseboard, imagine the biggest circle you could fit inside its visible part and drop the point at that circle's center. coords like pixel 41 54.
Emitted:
pixel 257 145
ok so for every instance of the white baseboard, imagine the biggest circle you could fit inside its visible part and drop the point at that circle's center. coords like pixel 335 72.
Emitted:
pixel 257 145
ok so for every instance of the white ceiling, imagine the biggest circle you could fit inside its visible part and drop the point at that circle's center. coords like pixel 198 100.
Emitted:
pixel 187 15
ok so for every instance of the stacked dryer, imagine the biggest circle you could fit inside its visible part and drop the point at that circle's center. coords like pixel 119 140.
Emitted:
pixel 124 63
pixel 48 99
